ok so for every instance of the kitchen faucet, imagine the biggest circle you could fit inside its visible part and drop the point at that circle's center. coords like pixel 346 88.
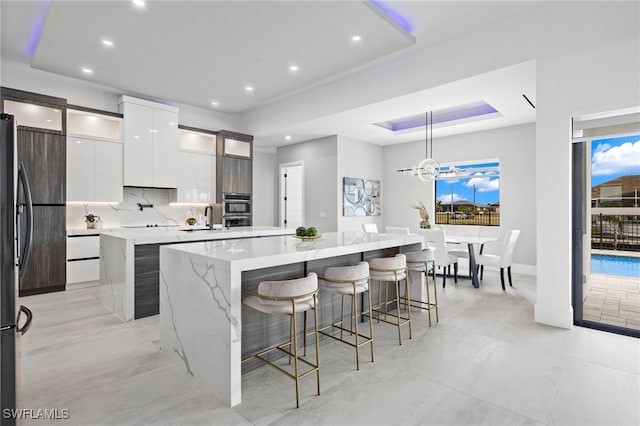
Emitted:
pixel 208 214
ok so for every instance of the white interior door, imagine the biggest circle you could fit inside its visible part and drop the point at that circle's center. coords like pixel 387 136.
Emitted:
pixel 291 195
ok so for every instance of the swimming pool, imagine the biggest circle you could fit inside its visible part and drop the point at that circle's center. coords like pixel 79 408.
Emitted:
pixel 615 265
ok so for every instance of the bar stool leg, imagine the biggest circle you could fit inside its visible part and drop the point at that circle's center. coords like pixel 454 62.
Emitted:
pixel 370 324
pixel 315 314
pixel 398 310
pixel 426 276
pixel 295 358
pixel 354 311
pixel 406 289
pixel 304 334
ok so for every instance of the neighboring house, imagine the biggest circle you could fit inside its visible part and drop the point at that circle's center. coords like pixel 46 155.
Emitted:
pixel 620 192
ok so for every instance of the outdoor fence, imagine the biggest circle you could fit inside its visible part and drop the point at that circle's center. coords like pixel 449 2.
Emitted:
pixel 460 218
pixel 615 232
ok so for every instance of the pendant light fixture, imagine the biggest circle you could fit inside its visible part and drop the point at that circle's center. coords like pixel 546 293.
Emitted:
pixel 428 169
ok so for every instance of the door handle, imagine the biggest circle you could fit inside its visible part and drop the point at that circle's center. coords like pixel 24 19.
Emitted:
pixel 26 251
pixel 22 330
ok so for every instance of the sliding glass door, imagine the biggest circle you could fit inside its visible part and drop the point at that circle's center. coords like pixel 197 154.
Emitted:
pixel 606 225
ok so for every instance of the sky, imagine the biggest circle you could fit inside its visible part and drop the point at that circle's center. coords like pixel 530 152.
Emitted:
pixel 487 189
pixel 612 158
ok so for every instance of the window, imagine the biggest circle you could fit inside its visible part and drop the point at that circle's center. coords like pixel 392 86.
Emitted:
pixel 468 194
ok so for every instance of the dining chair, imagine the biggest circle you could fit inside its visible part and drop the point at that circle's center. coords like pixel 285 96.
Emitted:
pixel 502 260
pixel 435 238
pixel 370 227
pixel 397 230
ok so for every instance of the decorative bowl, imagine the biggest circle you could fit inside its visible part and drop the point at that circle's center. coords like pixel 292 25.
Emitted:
pixel 305 238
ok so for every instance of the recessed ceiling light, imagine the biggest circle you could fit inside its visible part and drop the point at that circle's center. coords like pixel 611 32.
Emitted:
pixel 288 137
pixel 107 43
pixel 356 38
pixel 172 123
pixel 87 70
pixel 248 88
pixel 136 137
pixel 49 120
pixel 214 103
pixel 56 110
pixel 139 3
pixel 293 68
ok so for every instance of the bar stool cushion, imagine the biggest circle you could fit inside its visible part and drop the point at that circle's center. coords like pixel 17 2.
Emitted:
pixel 359 272
pixel 284 288
pixel 398 262
pixel 421 256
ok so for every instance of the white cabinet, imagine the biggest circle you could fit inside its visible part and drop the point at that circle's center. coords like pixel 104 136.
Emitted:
pixel 94 157
pixel 83 258
pixel 197 178
pixel 81 158
pixel 108 172
pixel 150 143
pixel 94 170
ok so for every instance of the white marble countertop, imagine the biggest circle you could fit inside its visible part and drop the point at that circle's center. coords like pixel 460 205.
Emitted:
pixel 258 253
pixel 98 231
pixel 196 233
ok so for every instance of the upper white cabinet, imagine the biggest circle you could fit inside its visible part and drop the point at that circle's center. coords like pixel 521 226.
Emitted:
pixel 150 143
pixel 94 157
pixel 197 180
pixel 94 170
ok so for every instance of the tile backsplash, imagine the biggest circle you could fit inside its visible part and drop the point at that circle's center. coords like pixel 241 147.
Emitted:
pixel 128 212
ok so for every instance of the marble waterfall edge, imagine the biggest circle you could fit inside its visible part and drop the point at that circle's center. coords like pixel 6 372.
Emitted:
pixel 116 270
pixel 200 320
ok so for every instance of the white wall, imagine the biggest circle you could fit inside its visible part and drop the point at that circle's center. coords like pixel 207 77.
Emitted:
pixel 358 159
pixel 320 175
pixel 265 184
pixel 589 81
pixel 515 148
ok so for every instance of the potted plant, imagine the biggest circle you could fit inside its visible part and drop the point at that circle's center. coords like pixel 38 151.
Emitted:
pixel 424 215
pixel 91 219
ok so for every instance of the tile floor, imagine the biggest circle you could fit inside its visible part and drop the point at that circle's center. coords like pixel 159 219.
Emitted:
pixel 485 363
pixel 613 300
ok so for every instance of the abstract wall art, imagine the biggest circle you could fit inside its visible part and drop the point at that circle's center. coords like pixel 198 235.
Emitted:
pixel 361 197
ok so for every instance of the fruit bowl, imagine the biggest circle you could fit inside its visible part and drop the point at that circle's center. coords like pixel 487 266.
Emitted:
pixel 305 238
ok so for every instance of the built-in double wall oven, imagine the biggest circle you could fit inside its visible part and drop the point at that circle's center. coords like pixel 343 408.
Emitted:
pixel 236 210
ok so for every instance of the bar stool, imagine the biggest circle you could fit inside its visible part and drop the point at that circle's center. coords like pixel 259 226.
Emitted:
pixel 391 270
pixel 422 261
pixel 288 297
pixel 349 281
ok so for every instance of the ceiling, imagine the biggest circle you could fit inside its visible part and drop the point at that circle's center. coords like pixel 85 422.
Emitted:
pixel 213 50
pixel 201 51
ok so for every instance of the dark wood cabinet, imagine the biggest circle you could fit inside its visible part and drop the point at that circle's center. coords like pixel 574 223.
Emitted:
pixel 44 156
pixel 234 163
pixel 46 270
pixel 237 175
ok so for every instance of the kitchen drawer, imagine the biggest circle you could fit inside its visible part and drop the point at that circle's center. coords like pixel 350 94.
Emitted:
pixel 83 270
pixel 83 247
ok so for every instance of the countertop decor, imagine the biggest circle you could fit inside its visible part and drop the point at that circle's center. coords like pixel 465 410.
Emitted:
pixel 424 215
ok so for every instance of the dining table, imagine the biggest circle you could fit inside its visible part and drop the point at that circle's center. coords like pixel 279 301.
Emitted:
pixel 470 241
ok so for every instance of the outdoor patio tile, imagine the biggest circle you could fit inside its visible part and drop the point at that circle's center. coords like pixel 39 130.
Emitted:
pixel 627 315
pixel 613 321
pixel 626 305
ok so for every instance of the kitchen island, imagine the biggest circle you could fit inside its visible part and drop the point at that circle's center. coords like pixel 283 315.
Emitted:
pixel 129 263
pixel 201 319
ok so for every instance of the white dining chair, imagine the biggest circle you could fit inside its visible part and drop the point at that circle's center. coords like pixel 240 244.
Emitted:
pixel 435 238
pixel 504 259
pixel 370 227
pixel 403 230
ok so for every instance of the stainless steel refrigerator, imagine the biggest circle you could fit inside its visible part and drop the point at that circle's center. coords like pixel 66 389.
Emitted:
pixel 16 232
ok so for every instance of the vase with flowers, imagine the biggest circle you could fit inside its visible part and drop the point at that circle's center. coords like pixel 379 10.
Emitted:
pixel 424 215
pixel 92 220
